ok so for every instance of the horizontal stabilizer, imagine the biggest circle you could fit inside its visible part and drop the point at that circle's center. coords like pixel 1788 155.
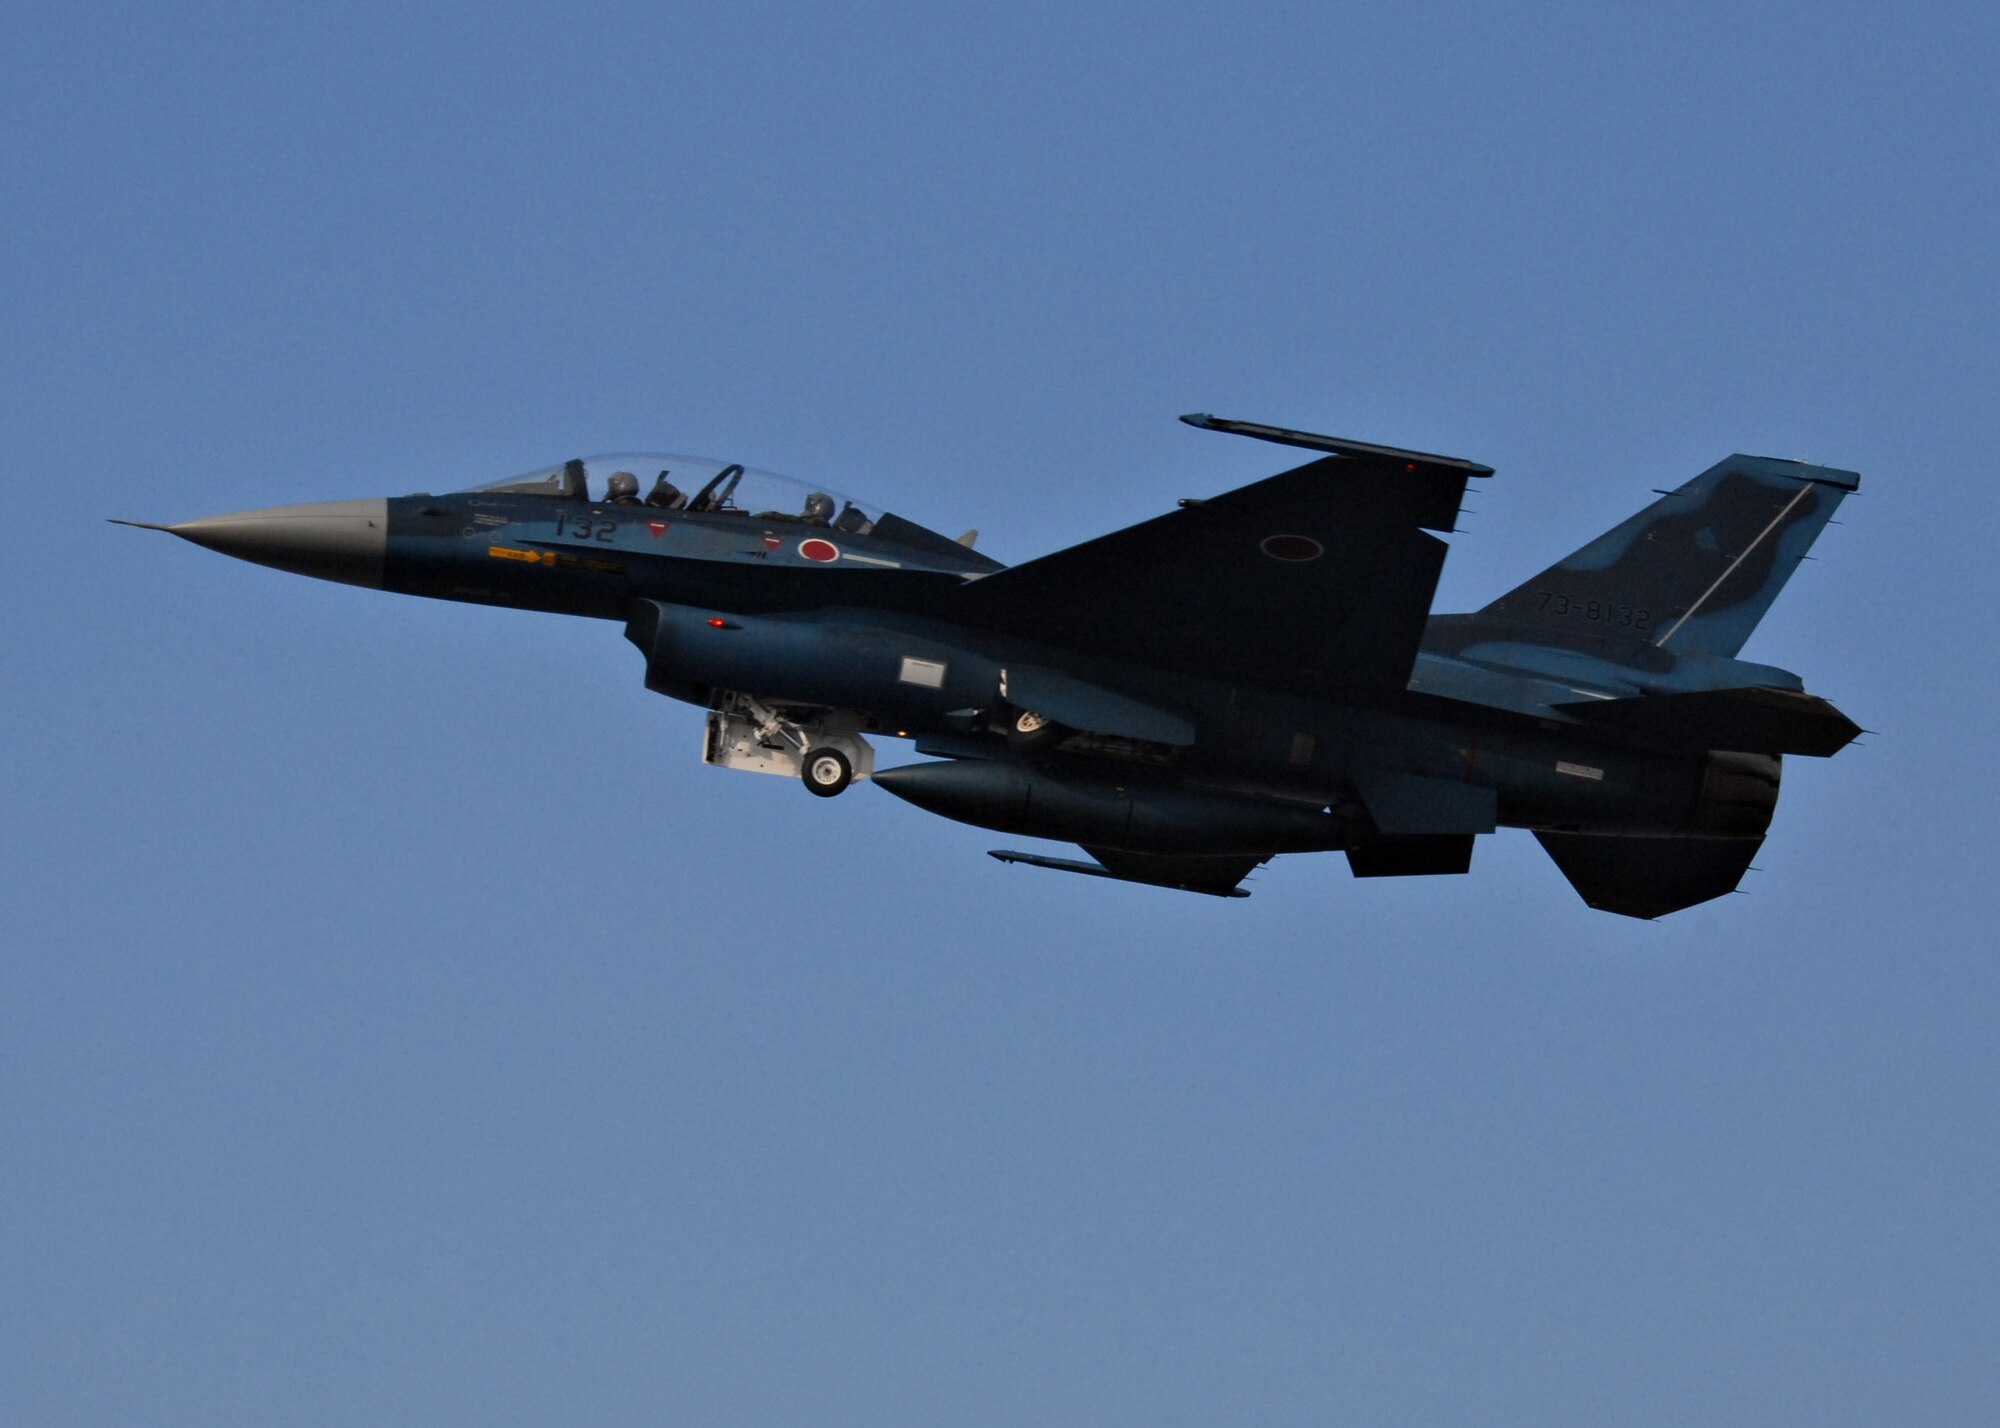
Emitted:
pixel 1750 721
pixel 1215 876
pixel 1649 877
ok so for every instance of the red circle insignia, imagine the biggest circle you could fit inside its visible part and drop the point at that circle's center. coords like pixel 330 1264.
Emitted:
pixel 1291 547
pixel 817 549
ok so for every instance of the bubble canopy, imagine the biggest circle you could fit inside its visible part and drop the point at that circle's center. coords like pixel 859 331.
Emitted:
pixel 695 484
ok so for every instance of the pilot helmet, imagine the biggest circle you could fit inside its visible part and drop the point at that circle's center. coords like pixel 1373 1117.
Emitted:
pixel 624 486
pixel 819 508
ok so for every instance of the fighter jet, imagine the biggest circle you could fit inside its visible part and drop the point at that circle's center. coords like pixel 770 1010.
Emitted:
pixel 1252 674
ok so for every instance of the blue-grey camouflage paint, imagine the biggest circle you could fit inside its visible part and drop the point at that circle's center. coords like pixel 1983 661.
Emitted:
pixel 1254 674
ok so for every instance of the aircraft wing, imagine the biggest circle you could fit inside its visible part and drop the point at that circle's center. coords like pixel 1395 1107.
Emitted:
pixel 1317 578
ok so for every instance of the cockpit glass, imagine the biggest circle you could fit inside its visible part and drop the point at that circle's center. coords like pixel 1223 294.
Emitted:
pixel 692 484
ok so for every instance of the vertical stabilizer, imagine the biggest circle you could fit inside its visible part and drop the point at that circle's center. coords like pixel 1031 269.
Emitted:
pixel 1694 572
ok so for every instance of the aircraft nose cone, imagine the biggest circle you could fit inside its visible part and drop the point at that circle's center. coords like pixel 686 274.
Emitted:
pixel 333 540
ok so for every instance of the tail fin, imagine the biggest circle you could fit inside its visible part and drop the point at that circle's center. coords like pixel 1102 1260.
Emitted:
pixel 1693 572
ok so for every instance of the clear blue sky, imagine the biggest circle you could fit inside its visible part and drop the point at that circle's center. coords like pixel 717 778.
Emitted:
pixel 399 1025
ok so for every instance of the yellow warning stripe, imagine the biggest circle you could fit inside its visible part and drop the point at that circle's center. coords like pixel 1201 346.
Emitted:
pixel 595 564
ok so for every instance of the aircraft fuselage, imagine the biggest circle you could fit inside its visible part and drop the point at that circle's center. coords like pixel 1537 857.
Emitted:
pixel 1181 763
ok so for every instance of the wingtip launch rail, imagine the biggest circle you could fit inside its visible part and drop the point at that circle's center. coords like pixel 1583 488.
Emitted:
pixel 1337 445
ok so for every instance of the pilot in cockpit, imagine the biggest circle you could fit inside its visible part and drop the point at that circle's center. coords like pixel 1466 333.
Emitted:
pixel 622 489
pixel 819 509
pixel 665 495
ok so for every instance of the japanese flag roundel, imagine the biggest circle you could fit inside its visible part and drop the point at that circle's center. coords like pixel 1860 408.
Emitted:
pixel 1291 548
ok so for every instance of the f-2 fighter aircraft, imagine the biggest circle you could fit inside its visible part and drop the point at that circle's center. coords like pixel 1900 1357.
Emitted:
pixel 1251 674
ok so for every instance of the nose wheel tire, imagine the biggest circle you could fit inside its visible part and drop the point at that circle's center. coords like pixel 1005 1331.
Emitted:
pixel 1032 733
pixel 826 772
